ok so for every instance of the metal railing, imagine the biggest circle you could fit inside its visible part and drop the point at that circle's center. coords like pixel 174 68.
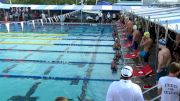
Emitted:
pixel 155 98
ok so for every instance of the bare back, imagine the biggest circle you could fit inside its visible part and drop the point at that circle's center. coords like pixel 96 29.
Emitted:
pixel 130 27
pixel 164 57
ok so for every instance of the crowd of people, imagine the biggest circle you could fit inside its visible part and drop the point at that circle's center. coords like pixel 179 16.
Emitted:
pixel 168 62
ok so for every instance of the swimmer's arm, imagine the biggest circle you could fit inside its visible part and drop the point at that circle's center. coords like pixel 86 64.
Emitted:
pixel 142 41
pixel 160 61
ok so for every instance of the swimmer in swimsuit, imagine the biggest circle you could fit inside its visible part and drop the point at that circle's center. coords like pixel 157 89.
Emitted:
pixel 146 42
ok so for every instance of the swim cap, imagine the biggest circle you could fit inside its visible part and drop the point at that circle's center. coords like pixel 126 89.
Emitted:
pixel 162 42
pixel 146 34
pixel 134 27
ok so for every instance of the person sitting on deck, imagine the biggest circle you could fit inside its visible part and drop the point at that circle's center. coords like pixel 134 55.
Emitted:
pixel 61 99
pixel 164 59
pixel 117 56
pixel 114 34
pixel 136 38
pixel 146 42
pixel 113 66
pixel 116 45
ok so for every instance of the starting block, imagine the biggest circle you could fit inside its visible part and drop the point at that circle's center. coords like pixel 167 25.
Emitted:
pixel 146 70
pixel 126 45
pixel 123 38
pixel 132 55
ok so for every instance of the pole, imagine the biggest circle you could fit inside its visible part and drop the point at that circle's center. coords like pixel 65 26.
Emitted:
pixel 81 16
pixel 96 2
pixel 157 46
pixel 166 30
pixel 10 1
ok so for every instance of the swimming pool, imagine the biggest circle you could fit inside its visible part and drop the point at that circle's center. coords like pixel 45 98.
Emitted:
pixel 56 60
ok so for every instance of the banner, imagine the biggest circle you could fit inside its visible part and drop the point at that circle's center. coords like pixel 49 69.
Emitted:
pixel 49 20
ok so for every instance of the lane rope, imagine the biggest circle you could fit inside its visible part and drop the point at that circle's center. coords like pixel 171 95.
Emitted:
pixel 57 51
pixel 52 62
pixel 54 78
pixel 46 43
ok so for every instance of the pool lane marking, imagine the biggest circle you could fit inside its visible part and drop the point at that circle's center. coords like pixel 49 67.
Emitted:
pixel 28 95
pixel 55 78
pixel 9 68
pixel 32 38
pixel 48 70
pixel 46 43
pixel 52 62
pixel 83 94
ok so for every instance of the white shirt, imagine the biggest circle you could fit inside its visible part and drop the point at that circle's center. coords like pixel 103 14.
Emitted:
pixel 100 14
pixel 124 90
pixel 170 88
pixel 43 16
pixel 114 15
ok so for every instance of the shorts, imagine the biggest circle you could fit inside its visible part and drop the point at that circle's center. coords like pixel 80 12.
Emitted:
pixel 163 72
pixel 135 45
pixel 144 55
pixel 130 37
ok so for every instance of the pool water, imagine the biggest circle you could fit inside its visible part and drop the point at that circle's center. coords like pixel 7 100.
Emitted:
pixel 70 53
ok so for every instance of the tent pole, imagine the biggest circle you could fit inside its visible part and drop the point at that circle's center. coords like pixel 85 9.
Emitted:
pixel 166 30
pixel 81 16
pixel 157 45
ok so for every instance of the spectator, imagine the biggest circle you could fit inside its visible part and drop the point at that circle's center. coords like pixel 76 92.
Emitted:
pixel 108 17
pixel 169 86
pixel 125 89
pixel 164 58
pixel 61 99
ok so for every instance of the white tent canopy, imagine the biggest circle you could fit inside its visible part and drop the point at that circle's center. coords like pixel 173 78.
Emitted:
pixel 170 16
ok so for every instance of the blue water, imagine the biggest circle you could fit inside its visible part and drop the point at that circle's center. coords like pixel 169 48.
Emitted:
pixel 79 46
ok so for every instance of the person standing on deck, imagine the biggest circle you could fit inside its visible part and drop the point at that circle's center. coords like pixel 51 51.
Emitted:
pixel 164 59
pixel 130 29
pixel 146 42
pixel 136 38
pixel 169 86
pixel 124 89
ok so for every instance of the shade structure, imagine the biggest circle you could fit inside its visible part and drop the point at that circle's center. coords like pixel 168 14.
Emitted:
pixel 162 16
